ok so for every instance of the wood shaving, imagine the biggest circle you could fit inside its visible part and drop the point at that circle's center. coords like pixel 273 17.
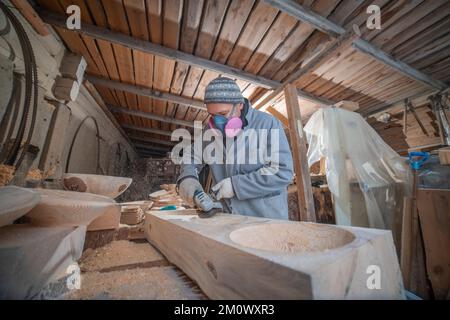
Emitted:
pixel 118 253
pixel 149 283
pixel 6 174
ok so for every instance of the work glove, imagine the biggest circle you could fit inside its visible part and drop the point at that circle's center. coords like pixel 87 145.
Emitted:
pixel 187 188
pixel 224 189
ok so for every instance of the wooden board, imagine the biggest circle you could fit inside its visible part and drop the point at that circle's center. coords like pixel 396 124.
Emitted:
pixel 433 206
pixel 239 257
pixel 444 156
pixel 298 145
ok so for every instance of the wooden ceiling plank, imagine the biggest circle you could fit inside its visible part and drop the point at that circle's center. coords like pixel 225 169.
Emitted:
pixel 190 28
pixel 333 29
pixel 435 18
pixel 213 17
pixel 255 29
pixel 150 47
pixel 105 48
pixel 173 10
pixel 407 21
pixel 117 21
pixel 273 38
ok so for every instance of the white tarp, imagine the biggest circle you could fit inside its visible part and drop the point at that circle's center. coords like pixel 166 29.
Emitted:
pixel 356 155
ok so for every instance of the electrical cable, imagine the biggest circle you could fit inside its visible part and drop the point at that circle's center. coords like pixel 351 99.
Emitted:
pixel 99 169
pixel 31 91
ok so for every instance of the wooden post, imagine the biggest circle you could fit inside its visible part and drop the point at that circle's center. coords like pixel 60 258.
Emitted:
pixel 298 144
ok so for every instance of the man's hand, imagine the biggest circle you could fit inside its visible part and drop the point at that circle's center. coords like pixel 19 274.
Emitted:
pixel 224 189
pixel 187 188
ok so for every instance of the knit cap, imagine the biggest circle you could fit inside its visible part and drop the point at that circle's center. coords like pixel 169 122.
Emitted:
pixel 223 90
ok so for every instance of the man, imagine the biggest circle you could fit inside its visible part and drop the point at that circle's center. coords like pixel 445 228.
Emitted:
pixel 254 188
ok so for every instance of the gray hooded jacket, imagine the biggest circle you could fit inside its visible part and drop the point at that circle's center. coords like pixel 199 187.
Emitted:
pixel 260 186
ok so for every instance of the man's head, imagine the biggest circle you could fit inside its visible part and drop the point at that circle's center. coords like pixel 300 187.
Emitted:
pixel 221 95
pixel 224 102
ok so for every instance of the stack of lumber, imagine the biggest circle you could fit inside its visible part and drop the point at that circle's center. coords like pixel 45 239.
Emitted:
pixel 133 212
pixel 394 135
pixel 167 196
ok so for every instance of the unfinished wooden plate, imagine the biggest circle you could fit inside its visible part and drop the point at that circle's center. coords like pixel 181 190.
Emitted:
pixel 69 208
pixel 16 202
pixel 109 186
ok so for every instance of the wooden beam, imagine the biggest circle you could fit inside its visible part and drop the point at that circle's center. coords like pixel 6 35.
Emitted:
pixel 145 46
pixel 146 92
pixel 308 16
pixel 148 130
pixel 149 147
pixel 298 145
pixel 296 10
pixel 151 116
pixel 232 256
pixel 31 16
pixel 152 48
pixel 153 140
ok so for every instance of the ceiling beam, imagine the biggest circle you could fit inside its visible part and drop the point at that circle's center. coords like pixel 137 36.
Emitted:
pixel 148 130
pixel 149 147
pixel 147 153
pixel 304 14
pixel 146 92
pixel 323 24
pixel 151 116
pixel 153 140
pixel 146 46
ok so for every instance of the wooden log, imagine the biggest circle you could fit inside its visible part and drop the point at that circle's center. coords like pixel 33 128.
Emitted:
pixel 298 145
pixel 241 257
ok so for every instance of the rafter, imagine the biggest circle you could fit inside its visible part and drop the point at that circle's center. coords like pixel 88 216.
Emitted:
pixel 146 92
pixel 151 116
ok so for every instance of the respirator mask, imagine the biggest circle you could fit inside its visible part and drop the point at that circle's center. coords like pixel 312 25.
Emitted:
pixel 229 125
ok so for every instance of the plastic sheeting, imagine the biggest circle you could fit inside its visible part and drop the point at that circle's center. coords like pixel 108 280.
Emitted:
pixel 367 178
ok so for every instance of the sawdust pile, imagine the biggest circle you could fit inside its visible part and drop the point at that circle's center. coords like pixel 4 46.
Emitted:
pixel 118 253
pixel 149 283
